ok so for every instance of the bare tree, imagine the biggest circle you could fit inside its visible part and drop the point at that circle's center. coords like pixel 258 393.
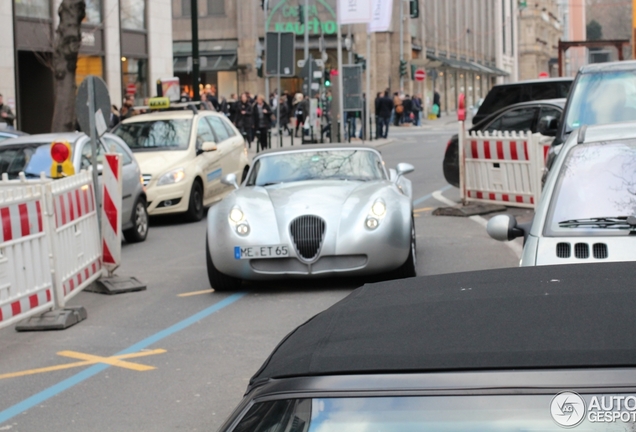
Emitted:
pixel 67 45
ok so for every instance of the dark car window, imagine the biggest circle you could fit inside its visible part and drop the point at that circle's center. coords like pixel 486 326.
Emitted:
pixel 114 147
pixel 32 160
pixel 597 180
pixel 548 111
pixel 546 412
pixel 156 135
pixel 521 119
pixel 550 90
pixel 220 130
pixel 348 165
pixel 204 132
pixel 500 97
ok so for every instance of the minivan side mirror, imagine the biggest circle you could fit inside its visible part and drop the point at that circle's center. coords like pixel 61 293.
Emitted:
pixel 548 126
pixel 209 146
pixel 504 228
pixel 230 180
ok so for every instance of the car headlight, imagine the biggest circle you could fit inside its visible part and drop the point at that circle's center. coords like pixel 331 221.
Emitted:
pixel 236 215
pixel 378 208
pixel 172 177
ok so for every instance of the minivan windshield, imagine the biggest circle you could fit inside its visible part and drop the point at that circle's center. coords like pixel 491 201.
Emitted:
pixel 602 98
pixel 156 135
pixel 595 192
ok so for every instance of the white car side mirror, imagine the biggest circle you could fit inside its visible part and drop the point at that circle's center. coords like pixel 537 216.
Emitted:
pixel 230 180
pixel 209 147
pixel 404 168
pixel 504 228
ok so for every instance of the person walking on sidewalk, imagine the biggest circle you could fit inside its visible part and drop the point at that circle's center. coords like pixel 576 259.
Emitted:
pixel 262 115
pixel 437 100
pixel 6 115
pixel 383 111
pixel 417 110
pixel 244 118
pixel 399 109
pixel 284 116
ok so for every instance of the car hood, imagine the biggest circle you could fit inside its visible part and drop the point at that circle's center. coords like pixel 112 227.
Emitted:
pixel 308 196
pixel 156 163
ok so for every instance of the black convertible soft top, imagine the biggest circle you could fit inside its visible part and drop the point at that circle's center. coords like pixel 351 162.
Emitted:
pixel 534 317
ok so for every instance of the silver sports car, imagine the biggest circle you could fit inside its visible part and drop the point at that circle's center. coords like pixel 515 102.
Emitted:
pixel 313 212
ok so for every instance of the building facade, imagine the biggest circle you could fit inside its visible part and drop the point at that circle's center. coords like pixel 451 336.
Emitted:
pixel 128 43
pixel 464 45
pixel 540 31
pixel 573 15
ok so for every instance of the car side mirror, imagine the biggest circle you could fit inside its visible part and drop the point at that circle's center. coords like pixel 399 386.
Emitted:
pixel 404 168
pixel 504 228
pixel 230 180
pixel 548 126
pixel 209 147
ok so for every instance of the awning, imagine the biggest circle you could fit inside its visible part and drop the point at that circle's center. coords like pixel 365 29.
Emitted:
pixel 214 55
pixel 439 61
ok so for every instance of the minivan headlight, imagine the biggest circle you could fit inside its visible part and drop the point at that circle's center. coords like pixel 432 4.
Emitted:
pixel 172 177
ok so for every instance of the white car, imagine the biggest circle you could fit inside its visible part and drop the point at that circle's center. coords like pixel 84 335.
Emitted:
pixel 183 155
pixel 587 212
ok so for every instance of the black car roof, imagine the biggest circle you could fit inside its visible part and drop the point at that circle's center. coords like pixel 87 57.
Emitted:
pixel 535 81
pixel 523 318
pixel 609 67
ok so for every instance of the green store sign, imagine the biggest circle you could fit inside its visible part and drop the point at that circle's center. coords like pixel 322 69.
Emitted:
pixel 285 18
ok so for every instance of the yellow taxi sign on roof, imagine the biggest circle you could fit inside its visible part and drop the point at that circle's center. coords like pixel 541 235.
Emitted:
pixel 159 103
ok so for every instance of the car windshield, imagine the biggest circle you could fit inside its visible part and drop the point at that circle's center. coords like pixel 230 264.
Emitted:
pixel 602 98
pixel 156 135
pixel 353 165
pixel 595 192
pixel 32 160
pixel 428 413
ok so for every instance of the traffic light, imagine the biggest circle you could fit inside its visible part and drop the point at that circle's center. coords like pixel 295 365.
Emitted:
pixel 413 70
pixel 414 8
pixel 403 72
pixel 358 59
pixel 327 77
pixel 62 165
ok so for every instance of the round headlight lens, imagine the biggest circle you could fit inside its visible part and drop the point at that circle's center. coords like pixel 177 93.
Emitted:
pixel 236 215
pixel 243 229
pixel 372 223
pixel 378 208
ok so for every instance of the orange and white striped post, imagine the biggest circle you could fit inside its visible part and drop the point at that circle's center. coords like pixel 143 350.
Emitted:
pixel 111 212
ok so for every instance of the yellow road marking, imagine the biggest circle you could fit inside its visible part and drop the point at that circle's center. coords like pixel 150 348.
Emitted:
pixel 91 360
pixel 195 293
pixel 425 209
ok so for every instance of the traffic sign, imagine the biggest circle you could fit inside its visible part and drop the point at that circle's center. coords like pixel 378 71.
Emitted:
pixel 420 75
pixel 131 89
pixel 101 100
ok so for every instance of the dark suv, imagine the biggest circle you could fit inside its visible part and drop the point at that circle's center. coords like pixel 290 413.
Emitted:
pixel 503 95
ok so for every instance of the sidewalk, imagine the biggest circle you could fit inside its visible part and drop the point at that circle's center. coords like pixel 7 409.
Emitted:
pixel 297 142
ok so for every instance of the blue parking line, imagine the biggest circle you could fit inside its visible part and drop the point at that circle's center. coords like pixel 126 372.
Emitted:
pixel 58 388
pixel 429 196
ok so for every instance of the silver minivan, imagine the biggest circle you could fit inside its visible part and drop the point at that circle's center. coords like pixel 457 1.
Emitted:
pixel 31 155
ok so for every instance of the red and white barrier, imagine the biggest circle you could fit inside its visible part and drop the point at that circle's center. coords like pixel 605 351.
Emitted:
pixel 111 211
pixel 26 288
pixel 74 235
pixel 503 168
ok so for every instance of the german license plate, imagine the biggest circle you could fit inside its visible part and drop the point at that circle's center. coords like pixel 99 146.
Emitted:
pixel 251 252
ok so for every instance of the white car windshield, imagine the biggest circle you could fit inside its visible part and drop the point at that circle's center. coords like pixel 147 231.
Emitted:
pixel 595 193
pixel 351 165
pixel 156 135
pixel 603 98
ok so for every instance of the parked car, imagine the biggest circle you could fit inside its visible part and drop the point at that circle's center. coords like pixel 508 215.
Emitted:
pixel 183 155
pixel 32 155
pixel 602 93
pixel 506 349
pixel 537 116
pixel 6 134
pixel 587 212
pixel 504 95
pixel 313 212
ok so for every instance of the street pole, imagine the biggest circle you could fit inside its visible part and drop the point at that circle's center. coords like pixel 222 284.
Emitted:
pixel 340 84
pixel 93 136
pixel 265 76
pixel 306 19
pixel 279 131
pixel 401 42
pixel 196 78
pixel 367 120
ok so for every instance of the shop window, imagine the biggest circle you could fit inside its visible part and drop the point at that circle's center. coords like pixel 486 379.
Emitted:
pixel 134 71
pixel 133 14
pixel 93 12
pixel 88 65
pixel 33 8
pixel 216 7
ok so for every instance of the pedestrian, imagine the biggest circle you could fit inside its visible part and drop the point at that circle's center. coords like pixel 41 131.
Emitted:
pixel 6 115
pixel 244 118
pixel 127 108
pixel 114 117
pixel 284 116
pixel 398 110
pixel 231 108
pixel 261 113
pixel 437 100
pixel 298 110
pixel 384 110
pixel 211 97
pixel 417 110
pixel 408 109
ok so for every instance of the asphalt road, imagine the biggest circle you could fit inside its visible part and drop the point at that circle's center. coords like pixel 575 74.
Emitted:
pixel 196 353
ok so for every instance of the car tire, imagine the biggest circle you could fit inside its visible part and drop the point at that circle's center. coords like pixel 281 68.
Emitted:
pixel 409 268
pixel 451 162
pixel 219 281
pixel 139 231
pixel 195 206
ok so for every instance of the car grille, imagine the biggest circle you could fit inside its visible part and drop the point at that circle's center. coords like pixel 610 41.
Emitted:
pixel 600 251
pixel 307 232
pixel 582 250
pixel 563 250
pixel 146 178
